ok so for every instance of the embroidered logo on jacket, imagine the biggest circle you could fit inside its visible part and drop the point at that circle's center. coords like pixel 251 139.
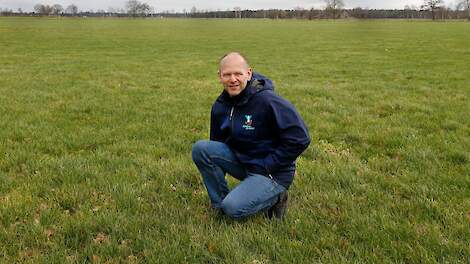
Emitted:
pixel 248 123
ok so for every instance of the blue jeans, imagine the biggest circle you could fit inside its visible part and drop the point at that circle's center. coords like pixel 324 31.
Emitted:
pixel 254 193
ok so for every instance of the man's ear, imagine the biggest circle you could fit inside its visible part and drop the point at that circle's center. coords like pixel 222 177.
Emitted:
pixel 220 77
pixel 250 72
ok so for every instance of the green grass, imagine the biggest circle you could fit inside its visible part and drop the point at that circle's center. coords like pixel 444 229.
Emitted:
pixel 97 119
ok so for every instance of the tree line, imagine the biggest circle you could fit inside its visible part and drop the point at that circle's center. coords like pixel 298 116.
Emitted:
pixel 133 8
pixel 334 9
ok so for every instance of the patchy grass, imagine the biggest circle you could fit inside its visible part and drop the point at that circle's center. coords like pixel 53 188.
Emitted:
pixel 98 117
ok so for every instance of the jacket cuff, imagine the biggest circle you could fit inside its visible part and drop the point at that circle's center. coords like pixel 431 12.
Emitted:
pixel 269 164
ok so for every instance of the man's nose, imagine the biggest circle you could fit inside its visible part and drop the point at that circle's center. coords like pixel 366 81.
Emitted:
pixel 232 78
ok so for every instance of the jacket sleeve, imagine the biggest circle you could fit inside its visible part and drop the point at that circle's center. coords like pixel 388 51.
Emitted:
pixel 214 134
pixel 293 135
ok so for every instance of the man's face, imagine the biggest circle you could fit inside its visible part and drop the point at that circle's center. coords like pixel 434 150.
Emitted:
pixel 234 74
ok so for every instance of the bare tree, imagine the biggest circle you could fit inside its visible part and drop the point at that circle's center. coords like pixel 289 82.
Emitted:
pixel 238 12
pixel 408 11
pixel 298 11
pixel 43 10
pixel 6 12
pixel 57 9
pixel 137 8
pixel 312 13
pixel 39 8
pixel 464 5
pixel 71 10
pixel 432 5
pixel 333 8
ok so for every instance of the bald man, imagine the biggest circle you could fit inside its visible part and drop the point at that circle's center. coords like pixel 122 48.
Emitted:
pixel 255 136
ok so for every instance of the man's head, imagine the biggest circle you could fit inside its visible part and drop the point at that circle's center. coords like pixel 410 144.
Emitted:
pixel 234 73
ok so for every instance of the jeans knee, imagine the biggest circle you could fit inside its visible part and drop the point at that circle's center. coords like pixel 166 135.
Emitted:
pixel 198 149
pixel 232 208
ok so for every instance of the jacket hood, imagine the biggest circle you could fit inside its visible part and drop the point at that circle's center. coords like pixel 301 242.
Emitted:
pixel 260 82
pixel 256 84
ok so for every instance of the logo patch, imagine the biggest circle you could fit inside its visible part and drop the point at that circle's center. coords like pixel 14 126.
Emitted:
pixel 248 123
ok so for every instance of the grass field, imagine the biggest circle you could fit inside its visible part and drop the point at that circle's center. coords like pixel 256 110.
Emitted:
pixel 97 119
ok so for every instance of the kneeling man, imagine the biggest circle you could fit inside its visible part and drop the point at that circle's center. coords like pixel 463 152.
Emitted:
pixel 255 136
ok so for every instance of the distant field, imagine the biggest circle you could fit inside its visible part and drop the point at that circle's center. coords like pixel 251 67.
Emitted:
pixel 97 119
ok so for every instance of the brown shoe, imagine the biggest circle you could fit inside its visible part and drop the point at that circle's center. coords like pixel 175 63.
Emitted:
pixel 279 209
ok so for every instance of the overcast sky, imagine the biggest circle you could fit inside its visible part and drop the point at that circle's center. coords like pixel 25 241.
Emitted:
pixel 179 5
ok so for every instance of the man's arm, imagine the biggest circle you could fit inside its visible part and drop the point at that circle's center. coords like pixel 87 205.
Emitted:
pixel 293 135
pixel 214 130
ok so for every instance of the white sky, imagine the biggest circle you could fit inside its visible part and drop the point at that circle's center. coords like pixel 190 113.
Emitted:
pixel 179 5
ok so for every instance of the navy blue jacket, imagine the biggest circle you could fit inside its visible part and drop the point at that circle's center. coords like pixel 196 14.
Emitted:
pixel 264 131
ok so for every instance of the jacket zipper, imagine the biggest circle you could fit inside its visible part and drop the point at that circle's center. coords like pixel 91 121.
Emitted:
pixel 231 113
pixel 231 121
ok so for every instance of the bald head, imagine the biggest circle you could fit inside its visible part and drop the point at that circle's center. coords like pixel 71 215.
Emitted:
pixel 234 73
pixel 233 57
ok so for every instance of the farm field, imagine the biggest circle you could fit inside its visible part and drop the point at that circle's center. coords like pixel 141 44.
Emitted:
pixel 97 119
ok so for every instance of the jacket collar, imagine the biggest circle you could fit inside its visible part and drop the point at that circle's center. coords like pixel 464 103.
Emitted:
pixel 253 86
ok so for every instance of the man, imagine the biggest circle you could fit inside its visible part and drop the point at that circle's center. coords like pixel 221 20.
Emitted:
pixel 255 136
